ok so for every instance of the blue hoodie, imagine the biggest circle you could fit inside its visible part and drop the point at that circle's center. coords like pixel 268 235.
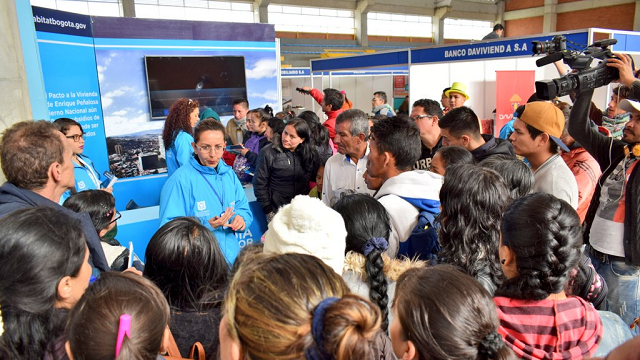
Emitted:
pixel 87 178
pixel 187 193
pixel 179 153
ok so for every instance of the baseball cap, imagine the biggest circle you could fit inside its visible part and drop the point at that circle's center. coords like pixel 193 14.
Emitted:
pixel 629 105
pixel 545 117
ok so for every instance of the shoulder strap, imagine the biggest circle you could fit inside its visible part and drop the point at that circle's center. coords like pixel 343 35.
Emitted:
pixel 172 347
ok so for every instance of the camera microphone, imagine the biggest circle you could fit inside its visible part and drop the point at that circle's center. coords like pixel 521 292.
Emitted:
pixel 556 56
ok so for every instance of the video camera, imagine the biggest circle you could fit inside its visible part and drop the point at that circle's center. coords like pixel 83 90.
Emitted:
pixel 585 78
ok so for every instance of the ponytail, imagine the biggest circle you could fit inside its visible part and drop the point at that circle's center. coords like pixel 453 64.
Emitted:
pixel 374 267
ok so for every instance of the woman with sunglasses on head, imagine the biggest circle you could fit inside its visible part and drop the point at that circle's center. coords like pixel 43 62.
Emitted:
pixel 86 175
pixel 177 134
pixel 101 207
pixel 208 189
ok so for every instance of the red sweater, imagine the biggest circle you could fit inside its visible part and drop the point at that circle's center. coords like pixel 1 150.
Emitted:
pixel 549 329
pixel 587 172
pixel 330 124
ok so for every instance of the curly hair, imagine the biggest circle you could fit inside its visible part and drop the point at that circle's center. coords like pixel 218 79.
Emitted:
pixel 366 218
pixel 473 200
pixel 178 120
pixel 545 236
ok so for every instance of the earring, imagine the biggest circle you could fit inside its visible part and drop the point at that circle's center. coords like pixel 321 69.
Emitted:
pixel 503 261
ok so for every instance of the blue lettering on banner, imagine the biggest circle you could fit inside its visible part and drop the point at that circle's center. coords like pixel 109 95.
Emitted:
pixel 485 50
pixel 295 72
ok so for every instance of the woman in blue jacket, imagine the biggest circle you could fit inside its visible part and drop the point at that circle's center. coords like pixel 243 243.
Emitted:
pixel 208 189
pixel 177 134
pixel 86 175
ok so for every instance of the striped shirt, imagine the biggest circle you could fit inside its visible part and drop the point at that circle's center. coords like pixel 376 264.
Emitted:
pixel 549 329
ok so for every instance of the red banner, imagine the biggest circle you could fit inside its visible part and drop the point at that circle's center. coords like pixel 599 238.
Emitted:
pixel 513 88
pixel 400 86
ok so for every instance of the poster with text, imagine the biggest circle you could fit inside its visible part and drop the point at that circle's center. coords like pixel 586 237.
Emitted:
pixel 513 88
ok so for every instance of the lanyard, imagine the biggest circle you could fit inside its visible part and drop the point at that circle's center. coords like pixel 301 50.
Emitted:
pixel 212 188
pixel 92 175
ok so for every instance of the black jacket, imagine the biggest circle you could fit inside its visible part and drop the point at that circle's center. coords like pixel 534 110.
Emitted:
pixel 493 146
pixel 13 198
pixel 281 175
pixel 608 153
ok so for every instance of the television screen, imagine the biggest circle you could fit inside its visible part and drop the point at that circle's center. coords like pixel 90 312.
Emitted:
pixel 215 81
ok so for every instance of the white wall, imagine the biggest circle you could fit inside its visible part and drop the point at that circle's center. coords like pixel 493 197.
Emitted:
pixel 359 89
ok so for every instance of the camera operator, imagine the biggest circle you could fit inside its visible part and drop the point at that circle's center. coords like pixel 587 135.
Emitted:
pixel 612 223
pixel 613 118
pixel 624 64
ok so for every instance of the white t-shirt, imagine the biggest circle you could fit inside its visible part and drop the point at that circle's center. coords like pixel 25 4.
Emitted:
pixel 554 177
pixel 607 230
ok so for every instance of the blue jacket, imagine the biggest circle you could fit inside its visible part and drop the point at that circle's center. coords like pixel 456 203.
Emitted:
pixel 187 193
pixel 84 178
pixel 179 153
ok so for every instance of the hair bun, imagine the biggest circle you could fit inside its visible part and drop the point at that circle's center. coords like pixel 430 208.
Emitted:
pixel 490 344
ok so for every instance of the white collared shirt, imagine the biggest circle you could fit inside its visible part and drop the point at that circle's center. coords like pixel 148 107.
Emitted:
pixel 341 173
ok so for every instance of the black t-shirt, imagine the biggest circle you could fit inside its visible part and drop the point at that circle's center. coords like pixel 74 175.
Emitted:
pixel 425 157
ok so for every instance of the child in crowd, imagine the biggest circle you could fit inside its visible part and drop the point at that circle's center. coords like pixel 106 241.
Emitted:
pixel 121 316
pixel 101 207
pixel 247 158
pixel 294 306
pixel 316 192
pixel 539 247
pixel 473 200
pixel 369 271
pixel 45 270
pixel 186 263
pixel 450 155
pixel 456 321
pixel 275 126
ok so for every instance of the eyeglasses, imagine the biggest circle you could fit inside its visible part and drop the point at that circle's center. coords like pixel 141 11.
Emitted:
pixel 76 137
pixel 118 216
pixel 418 117
pixel 206 149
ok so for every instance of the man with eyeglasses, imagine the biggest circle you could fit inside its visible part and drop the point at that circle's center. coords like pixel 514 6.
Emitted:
pixel 426 113
pixel 36 160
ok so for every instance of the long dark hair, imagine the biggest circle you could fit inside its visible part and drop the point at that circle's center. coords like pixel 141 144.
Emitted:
pixel 93 323
pixel 473 200
pixel 319 133
pixel 185 261
pixel 365 218
pixel 65 124
pixel 458 321
pixel 306 148
pixel 98 203
pixel 38 247
pixel 545 236
pixel 178 120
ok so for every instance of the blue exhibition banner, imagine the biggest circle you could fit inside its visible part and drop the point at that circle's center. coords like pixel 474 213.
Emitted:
pixel 487 50
pixel 70 76
pixel 295 72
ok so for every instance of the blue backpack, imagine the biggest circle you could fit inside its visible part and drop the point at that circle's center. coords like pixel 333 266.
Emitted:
pixel 423 243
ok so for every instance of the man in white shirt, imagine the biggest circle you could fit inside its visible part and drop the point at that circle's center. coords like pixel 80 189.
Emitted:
pixel 343 171
pixel 536 136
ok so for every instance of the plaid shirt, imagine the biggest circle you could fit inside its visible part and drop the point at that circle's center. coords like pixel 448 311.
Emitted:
pixel 549 329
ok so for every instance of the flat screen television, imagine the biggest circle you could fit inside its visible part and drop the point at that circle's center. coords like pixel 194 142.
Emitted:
pixel 215 81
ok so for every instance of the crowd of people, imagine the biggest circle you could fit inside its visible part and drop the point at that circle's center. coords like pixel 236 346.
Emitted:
pixel 389 236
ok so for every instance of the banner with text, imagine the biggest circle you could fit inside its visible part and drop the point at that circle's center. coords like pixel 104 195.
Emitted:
pixel 513 88
pixel 68 61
